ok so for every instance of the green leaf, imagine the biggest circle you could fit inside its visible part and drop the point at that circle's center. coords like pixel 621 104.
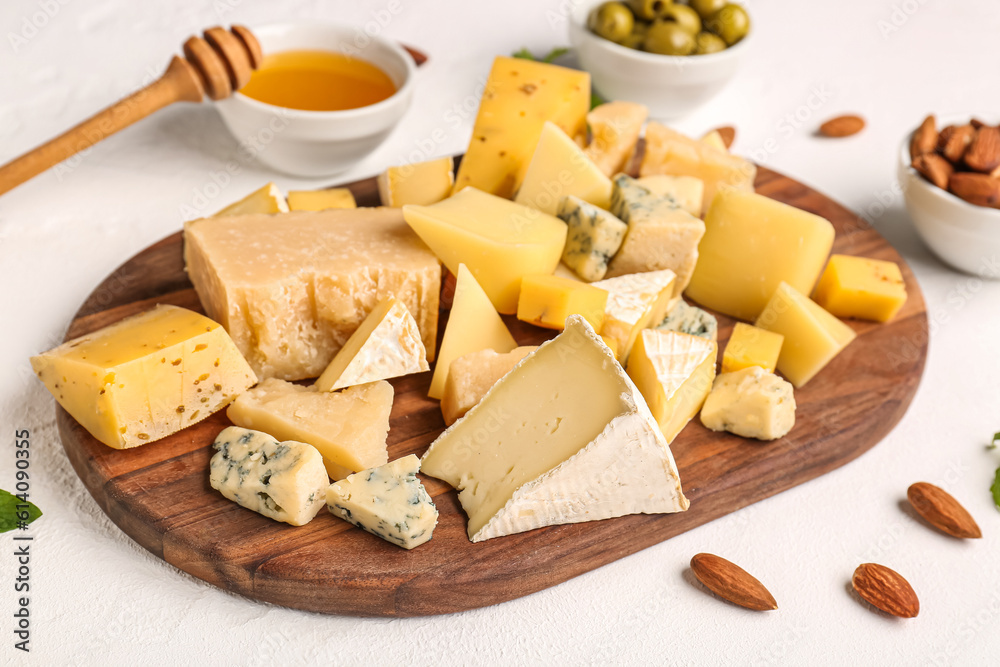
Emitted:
pixel 996 440
pixel 555 53
pixel 9 511
pixel 523 54
pixel 596 100
pixel 996 489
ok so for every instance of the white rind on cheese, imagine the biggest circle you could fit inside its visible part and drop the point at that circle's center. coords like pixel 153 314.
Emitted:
pixel 635 302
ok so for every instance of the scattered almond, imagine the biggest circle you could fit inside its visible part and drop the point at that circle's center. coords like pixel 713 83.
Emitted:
pixel 942 511
pixel 728 134
pixel 956 143
pixel 731 582
pixel 978 189
pixel 924 139
pixel 842 126
pixel 934 168
pixel 983 154
pixel 886 589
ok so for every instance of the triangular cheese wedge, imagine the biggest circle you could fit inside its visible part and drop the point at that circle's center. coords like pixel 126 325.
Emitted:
pixel 565 437
pixel 636 301
pixel 674 372
pixel 386 345
pixel 473 325
pixel 559 168
pixel 268 199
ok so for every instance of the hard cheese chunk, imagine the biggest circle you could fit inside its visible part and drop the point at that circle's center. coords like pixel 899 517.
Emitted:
pixel 614 128
pixel 751 346
pixel 686 191
pixel 284 481
pixel 868 289
pixel 547 301
pixel 674 372
pixel 388 502
pixel 519 97
pixel 320 200
pixel 145 377
pixel 565 437
pixel 635 302
pixel 660 235
pixel 268 199
pixel 420 183
pixel 348 427
pixel 752 403
pixel 473 325
pixel 671 153
pixel 386 345
pixel 687 319
pixel 715 140
pixel 752 244
pixel 813 337
pixel 472 375
pixel 559 168
pixel 593 237
pixel 292 288
pixel 498 240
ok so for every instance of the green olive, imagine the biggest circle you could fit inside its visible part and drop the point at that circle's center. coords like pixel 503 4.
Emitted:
pixel 647 9
pixel 706 8
pixel 637 37
pixel 731 23
pixel 683 16
pixel 706 42
pixel 669 39
pixel 611 20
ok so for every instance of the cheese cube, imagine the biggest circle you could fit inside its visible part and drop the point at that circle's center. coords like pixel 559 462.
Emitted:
pixel 687 319
pixel 471 376
pixel 660 235
pixel 547 301
pixel 421 183
pixel 564 437
pixel 559 168
pixel 813 337
pixel 348 427
pixel 614 128
pixel 715 140
pixel 751 245
pixel 518 98
pixel 268 199
pixel 685 191
pixel 498 240
pixel 635 302
pixel 320 200
pixel 386 345
pixel 284 481
pixel 868 289
pixel 749 346
pixel 674 372
pixel 671 153
pixel 292 288
pixel 388 502
pixel 752 403
pixel 145 377
pixel 473 325
pixel 593 237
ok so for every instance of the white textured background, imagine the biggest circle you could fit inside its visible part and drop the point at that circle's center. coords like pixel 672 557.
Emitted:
pixel 97 598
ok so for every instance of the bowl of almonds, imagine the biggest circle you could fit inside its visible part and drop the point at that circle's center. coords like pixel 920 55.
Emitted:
pixel 950 175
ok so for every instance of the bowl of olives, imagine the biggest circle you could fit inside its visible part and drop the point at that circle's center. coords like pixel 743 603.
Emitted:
pixel 672 56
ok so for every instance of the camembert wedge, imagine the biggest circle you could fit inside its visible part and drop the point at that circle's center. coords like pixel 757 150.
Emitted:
pixel 635 302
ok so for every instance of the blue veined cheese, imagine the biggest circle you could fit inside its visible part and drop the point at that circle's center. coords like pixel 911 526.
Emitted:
pixel 687 319
pixel 685 191
pixel 284 481
pixel 388 502
pixel 752 403
pixel 661 235
pixel 593 238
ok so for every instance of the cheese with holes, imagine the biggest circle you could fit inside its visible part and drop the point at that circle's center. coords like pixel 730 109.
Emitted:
pixel 635 302
pixel 674 372
pixel 145 377
pixel 471 376
pixel 565 437
pixel 547 301
pixel 868 289
pixel 291 289
pixel 518 98
pixel 614 128
pixel 559 168
pixel 685 191
pixel 751 346
pixel 388 501
pixel 267 199
pixel 751 402
pixel 687 319
pixel 499 241
pixel 348 427
pixel 593 237
pixel 284 481
pixel 386 345
pixel 751 245
pixel 420 183
pixel 320 200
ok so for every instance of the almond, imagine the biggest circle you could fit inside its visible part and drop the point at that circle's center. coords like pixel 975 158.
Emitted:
pixel 934 168
pixel 842 126
pixel 954 140
pixel 924 139
pixel 978 189
pixel 885 589
pixel 983 154
pixel 731 582
pixel 942 511
pixel 728 134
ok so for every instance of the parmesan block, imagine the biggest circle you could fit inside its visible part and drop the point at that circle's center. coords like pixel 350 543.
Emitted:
pixel 471 376
pixel 614 129
pixel 559 168
pixel 635 302
pixel 421 183
pixel 752 403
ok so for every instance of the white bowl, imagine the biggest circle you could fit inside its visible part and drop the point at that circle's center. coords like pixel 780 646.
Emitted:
pixel 320 143
pixel 671 86
pixel 963 235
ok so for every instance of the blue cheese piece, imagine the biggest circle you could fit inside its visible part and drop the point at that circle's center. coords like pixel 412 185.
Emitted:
pixel 686 319
pixel 388 502
pixel 284 481
pixel 752 403
pixel 593 238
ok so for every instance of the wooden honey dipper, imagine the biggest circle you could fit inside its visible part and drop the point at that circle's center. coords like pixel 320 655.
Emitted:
pixel 216 65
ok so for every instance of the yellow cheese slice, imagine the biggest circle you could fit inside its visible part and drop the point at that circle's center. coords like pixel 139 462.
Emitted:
pixel 320 200
pixel 471 375
pixel 267 199
pixel 868 289
pixel 751 346
pixel 559 168
pixel 420 183
pixel 714 139
pixel 547 301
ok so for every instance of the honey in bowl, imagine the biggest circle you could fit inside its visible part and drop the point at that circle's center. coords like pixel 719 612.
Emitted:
pixel 314 80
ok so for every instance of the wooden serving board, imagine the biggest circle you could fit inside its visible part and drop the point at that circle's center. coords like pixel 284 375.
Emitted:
pixel 160 496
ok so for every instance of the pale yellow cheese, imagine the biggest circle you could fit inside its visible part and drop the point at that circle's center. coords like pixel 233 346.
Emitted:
pixel 685 191
pixel 751 346
pixel 715 140
pixel 614 128
pixel 421 183
pixel 267 199
pixel 752 403
pixel 547 301
pixel 635 302
pixel 320 200
pixel 558 169
pixel 471 376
